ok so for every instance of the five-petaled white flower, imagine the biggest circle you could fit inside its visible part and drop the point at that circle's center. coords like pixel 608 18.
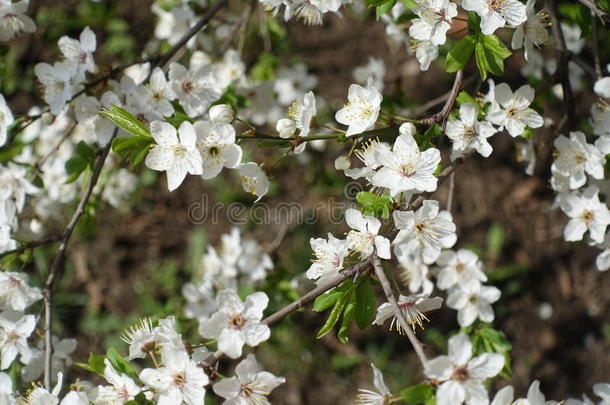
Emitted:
pixel 575 157
pixel 13 19
pixel 56 84
pixel 216 143
pixel 121 390
pixel 363 237
pixel 412 308
pixel 406 168
pixel 534 396
pixel 329 258
pixel 586 213
pixel 462 377
pixel 79 53
pixel 178 380
pixel 362 109
pixel 468 133
pixel 237 323
pixel 515 113
pixel 6 119
pixel 496 13
pixel 175 152
pixel 302 111
pixel 472 301
pixel 434 20
pixel 13 339
pixel 250 386
pixel 15 292
pixel 425 231
pixel 533 32
pixel 459 268
pixel 194 89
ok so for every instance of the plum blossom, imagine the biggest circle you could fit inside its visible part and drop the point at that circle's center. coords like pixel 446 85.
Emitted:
pixel 496 13
pixel 253 179
pixel 575 157
pixel 175 152
pixel 13 19
pixel 194 89
pixel 329 258
pixel 425 231
pixel 302 111
pixel 412 308
pixel 121 390
pixel 78 54
pixel 425 52
pixel 15 291
pixel 414 273
pixel 434 21
pixel 515 113
pixel 364 238
pixel 406 168
pixel 473 301
pixel 462 376
pixel 237 323
pixel 56 84
pixel 459 268
pixel 13 339
pixel 368 153
pixel 362 109
pixel 251 385
pixel 469 133
pixel 379 397
pixel 178 380
pixel 216 144
pixel 532 32
pixel 586 213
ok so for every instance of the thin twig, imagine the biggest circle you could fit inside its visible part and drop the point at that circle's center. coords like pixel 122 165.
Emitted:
pixel 451 191
pixel 562 63
pixel 57 263
pixel 191 32
pixel 31 245
pixel 594 37
pixel 596 10
pixel 442 115
pixel 387 289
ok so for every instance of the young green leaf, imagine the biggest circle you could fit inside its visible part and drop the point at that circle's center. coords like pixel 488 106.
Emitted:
pixel 374 205
pixel 348 317
pixel 459 55
pixel 366 305
pixel 94 364
pixel 417 394
pixel 490 53
pixel 121 365
pixel 335 314
pixel 132 148
pixel 125 120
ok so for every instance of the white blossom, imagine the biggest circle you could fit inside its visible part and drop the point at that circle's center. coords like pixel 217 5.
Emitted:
pixel 362 109
pixel 425 231
pixel 469 133
pixel 13 339
pixel 364 238
pixel 379 397
pixel 406 168
pixel 575 157
pixel 253 179
pixel 250 386
pixel 461 375
pixel 329 255
pixel 237 323
pixel 56 84
pixel 216 143
pixel 194 90
pixel 6 119
pixel 459 268
pixel 496 13
pixel 122 387
pixel 533 32
pixel 586 213
pixel 13 19
pixel 434 20
pixel 472 301
pixel 412 308
pixel 515 113
pixel 15 291
pixel 78 54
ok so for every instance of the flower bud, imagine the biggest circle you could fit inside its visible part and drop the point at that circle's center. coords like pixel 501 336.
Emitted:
pixel 222 114
pixel 47 118
pixel 407 129
pixel 286 127
pixel 342 163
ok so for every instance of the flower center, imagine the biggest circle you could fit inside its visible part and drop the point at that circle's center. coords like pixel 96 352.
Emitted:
pixel 237 322
pixel 460 374
pixel 179 379
pixel 179 150
pixel 187 86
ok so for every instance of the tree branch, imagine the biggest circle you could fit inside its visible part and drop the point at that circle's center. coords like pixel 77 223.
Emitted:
pixel 387 289
pixel 442 115
pixel 596 10
pixel 31 245
pixel 562 63
pixel 163 59
pixel 57 263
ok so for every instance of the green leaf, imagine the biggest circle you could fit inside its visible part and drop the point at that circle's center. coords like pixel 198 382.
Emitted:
pixel 474 22
pixel 95 364
pixel 490 53
pixel 125 120
pixel 132 148
pixel 366 305
pixel 424 141
pixel 178 118
pixel 495 240
pixel 459 55
pixel 384 8
pixel 85 158
pixel 409 3
pixel 264 69
pixel 374 205
pixel 334 316
pixel 121 365
pixel 417 394
pixel 348 316
pixel 464 98
pixel 326 300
